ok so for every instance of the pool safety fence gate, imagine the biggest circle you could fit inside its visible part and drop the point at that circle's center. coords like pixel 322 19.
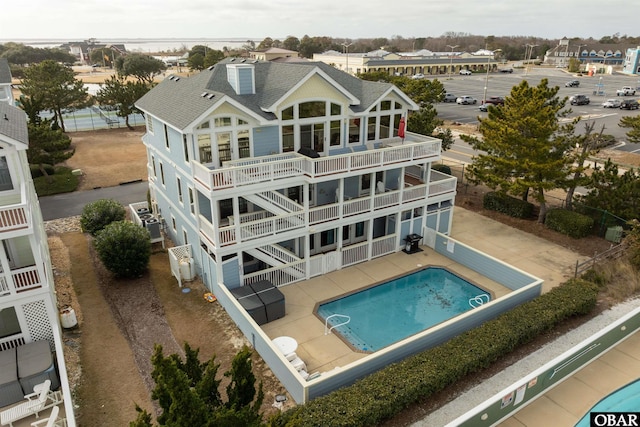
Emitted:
pixel 524 391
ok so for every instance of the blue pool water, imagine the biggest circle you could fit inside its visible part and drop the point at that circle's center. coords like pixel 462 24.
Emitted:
pixel 389 312
pixel 625 399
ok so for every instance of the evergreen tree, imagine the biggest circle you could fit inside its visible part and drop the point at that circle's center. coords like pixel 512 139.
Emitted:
pixel 633 124
pixel 122 94
pixel 188 392
pixel 54 86
pixel 47 146
pixel 614 192
pixel 143 67
pixel 523 147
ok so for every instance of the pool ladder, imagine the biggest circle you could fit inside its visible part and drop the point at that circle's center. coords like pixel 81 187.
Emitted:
pixel 478 300
pixel 327 332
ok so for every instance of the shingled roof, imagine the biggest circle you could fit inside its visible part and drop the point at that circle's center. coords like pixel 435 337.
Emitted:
pixel 179 101
pixel 13 125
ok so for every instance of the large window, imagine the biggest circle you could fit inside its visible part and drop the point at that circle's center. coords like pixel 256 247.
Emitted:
pixel 5 176
pixel 312 109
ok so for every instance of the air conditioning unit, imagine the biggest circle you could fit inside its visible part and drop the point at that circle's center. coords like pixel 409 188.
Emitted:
pixel 153 225
pixel 145 217
pixel 142 211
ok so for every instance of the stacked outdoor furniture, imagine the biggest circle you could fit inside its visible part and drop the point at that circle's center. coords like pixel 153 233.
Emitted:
pixel 24 367
pixel 263 301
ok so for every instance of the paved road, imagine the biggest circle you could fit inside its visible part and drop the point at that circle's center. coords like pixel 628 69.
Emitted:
pixel 71 204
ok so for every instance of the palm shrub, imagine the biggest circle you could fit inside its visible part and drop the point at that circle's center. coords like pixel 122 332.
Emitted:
pixel 124 248
pixel 96 215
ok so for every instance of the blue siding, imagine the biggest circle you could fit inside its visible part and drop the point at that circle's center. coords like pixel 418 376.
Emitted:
pixel 231 273
pixel 266 141
pixel 443 225
pixel 245 81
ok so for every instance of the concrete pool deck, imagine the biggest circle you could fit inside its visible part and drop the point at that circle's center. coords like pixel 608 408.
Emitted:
pixel 321 353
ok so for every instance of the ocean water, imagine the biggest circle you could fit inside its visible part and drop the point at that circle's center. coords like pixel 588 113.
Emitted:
pixel 145 45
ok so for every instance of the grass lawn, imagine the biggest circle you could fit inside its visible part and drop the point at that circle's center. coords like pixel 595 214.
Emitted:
pixel 63 181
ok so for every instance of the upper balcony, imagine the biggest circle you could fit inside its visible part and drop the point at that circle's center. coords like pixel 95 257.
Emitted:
pixel 257 170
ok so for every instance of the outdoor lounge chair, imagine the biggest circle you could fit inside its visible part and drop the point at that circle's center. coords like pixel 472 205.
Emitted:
pixel 50 421
pixel 35 403
pixel 297 363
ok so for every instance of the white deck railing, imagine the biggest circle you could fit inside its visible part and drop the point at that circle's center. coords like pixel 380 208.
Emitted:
pixel 15 216
pixel 250 230
pixel 19 280
pixel 269 168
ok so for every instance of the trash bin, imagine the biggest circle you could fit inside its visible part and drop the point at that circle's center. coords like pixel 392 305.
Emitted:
pixel 614 234
pixel 411 243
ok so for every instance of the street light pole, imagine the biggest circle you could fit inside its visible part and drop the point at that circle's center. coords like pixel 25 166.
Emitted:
pixel 531 46
pixel 486 79
pixel 346 46
pixel 451 59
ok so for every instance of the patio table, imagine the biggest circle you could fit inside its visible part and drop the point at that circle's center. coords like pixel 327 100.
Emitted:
pixel 286 345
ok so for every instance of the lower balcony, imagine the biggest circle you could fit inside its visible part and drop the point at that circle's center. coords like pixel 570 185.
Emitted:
pixel 19 280
pixel 252 226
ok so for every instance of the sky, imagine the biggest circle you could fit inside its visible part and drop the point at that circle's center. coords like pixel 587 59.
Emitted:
pixel 75 20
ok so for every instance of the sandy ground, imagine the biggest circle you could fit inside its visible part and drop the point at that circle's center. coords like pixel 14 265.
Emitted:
pixel 108 157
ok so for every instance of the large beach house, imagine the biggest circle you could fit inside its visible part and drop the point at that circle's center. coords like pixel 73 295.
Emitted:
pixel 31 349
pixel 268 174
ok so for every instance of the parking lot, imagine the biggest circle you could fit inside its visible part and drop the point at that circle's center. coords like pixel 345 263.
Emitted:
pixel 500 84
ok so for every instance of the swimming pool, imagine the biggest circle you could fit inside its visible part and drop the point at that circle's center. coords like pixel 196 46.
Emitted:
pixel 625 399
pixel 392 311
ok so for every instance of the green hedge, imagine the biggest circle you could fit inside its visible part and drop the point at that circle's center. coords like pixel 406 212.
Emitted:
pixel 386 393
pixel 36 172
pixel 570 223
pixel 508 205
pixel 63 181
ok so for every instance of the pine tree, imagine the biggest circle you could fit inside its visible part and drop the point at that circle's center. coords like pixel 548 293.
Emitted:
pixel 523 146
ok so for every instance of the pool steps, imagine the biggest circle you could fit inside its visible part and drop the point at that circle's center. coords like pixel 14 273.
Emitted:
pixel 328 331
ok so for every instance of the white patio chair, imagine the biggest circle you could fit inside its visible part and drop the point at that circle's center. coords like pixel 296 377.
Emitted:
pixel 50 421
pixel 35 403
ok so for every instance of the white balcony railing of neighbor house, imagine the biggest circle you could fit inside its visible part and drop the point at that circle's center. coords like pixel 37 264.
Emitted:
pixel 15 216
pixel 19 280
pixel 277 224
pixel 269 168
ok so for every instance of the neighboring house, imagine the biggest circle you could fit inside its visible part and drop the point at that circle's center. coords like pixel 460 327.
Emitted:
pixel 408 63
pixel 281 172
pixel 82 50
pixel 632 61
pixel 28 310
pixel 273 53
pixel 6 94
pixel 596 53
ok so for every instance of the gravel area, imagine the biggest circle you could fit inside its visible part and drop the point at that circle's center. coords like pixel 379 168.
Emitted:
pixel 475 396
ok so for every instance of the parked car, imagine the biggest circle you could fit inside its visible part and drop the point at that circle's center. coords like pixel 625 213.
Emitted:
pixel 572 83
pixel 417 76
pixel 611 103
pixel 466 100
pixel 495 100
pixel 465 72
pixel 629 104
pixel 483 107
pixel 506 70
pixel 626 91
pixel 579 100
pixel 449 97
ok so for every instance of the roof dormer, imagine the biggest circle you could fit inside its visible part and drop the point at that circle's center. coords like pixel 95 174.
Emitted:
pixel 241 77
